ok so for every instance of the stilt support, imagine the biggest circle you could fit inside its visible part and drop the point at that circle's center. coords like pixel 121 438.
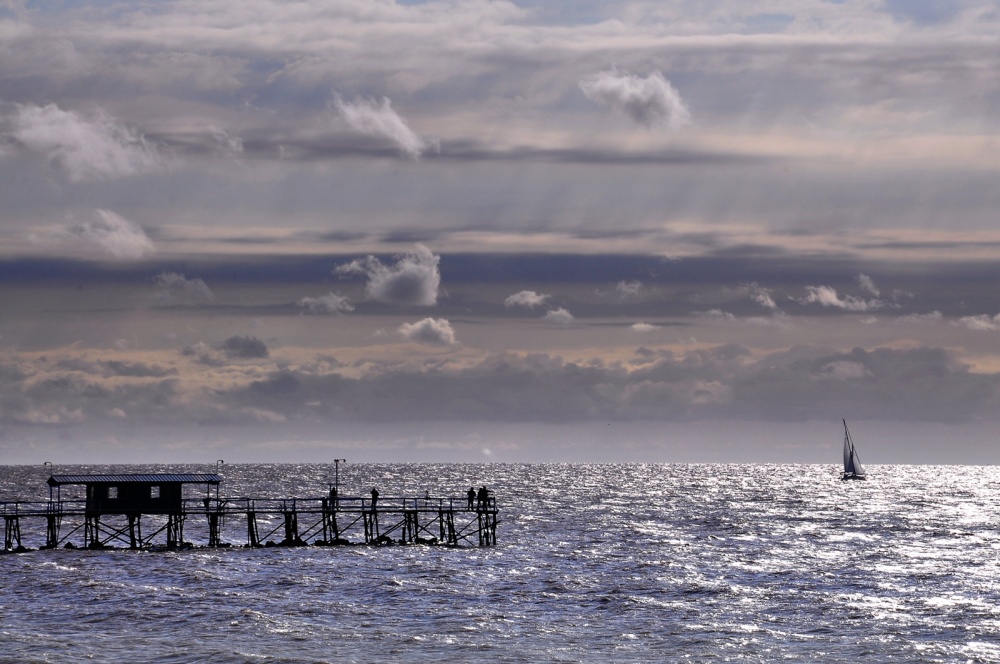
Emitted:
pixel 12 533
pixel 487 523
pixel 51 530
pixel 213 529
pixel 410 526
pixel 292 528
pixel 253 538
pixel 371 526
pixel 134 531
pixel 331 531
pixel 175 531
pixel 92 532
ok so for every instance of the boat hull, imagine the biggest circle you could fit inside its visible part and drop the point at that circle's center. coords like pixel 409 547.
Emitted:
pixel 852 476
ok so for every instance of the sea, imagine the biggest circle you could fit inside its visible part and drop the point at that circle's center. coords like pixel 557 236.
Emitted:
pixel 608 563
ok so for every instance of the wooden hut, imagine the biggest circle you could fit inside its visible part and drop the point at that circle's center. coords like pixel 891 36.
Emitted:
pixel 153 493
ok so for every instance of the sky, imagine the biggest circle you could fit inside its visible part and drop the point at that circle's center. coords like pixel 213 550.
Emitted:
pixel 469 230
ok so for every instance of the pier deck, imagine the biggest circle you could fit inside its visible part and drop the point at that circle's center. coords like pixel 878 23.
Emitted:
pixel 251 522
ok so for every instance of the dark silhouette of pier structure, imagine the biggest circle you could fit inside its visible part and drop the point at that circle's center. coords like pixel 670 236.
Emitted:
pixel 115 509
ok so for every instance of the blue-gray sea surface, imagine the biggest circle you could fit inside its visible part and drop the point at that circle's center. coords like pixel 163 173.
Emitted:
pixel 622 563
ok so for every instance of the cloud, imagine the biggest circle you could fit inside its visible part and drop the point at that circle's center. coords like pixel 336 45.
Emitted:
pixel 643 327
pixel 920 319
pixel 174 287
pixel 204 354
pixel 778 319
pixel 559 316
pixel 228 145
pixel 716 313
pixel 137 369
pixel 87 149
pixel 724 382
pixel 437 331
pixel 375 118
pixel 868 284
pixel 844 370
pixel 331 303
pixel 414 279
pixel 629 289
pixel 924 12
pixel 828 297
pixel 761 296
pixel 112 234
pixel 649 101
pixel 526 298
pixel 982 322
pixel 244 348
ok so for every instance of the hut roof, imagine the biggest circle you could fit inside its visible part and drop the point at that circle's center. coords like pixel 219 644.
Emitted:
pixel 146 478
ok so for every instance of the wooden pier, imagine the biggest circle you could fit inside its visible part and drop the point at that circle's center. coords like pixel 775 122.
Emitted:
pixel 151 511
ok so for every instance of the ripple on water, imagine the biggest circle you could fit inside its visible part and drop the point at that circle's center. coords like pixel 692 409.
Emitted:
pixel 596 562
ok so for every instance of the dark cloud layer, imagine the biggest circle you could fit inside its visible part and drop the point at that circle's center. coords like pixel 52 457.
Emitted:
pixel 719 383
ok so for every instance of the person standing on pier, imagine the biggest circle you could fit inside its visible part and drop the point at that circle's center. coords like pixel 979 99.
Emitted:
pixel 374 497
pixel 483 497
pixel 471 495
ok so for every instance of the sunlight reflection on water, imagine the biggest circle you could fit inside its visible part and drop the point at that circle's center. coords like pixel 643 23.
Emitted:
pixel 595 562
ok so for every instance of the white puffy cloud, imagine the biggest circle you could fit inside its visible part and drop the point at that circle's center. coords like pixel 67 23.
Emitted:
pixel 643 327
pixel 436 331
pixel 331 303
pixel 717 313
pixel 650 101
pixel 414 279
pixel 629 289
pixel 58 416
pixel 204 354
pixel 868 284
pixel 99 148
pixel 559 315
pixel 375 118
pixel 112 234
pixel 828 297
pixel 174 287
pixel 982 322
pixel 844 370
pixel 760 295
pixel 526 298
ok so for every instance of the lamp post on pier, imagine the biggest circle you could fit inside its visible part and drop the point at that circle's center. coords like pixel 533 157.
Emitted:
pixel 336 475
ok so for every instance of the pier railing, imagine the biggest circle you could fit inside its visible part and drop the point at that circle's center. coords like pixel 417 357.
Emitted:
pixel 255 522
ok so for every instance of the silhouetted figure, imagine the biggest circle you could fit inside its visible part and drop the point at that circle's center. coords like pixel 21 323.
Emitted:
pixel 482 497
pixel 374 497
pixel 333 497
pixel 471 495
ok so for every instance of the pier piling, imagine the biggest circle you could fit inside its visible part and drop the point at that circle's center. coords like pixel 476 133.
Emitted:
pixel 12 533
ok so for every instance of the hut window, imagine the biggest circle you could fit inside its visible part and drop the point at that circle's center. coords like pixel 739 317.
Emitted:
pixel 154 491
pixel 112 493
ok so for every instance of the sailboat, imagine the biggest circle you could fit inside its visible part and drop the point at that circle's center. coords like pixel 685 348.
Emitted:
pixel 853 469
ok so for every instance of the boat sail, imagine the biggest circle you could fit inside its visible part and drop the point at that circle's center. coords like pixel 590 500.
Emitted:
pixel 853 470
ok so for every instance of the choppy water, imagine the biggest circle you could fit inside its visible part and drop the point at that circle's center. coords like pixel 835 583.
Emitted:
pixel 746 563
